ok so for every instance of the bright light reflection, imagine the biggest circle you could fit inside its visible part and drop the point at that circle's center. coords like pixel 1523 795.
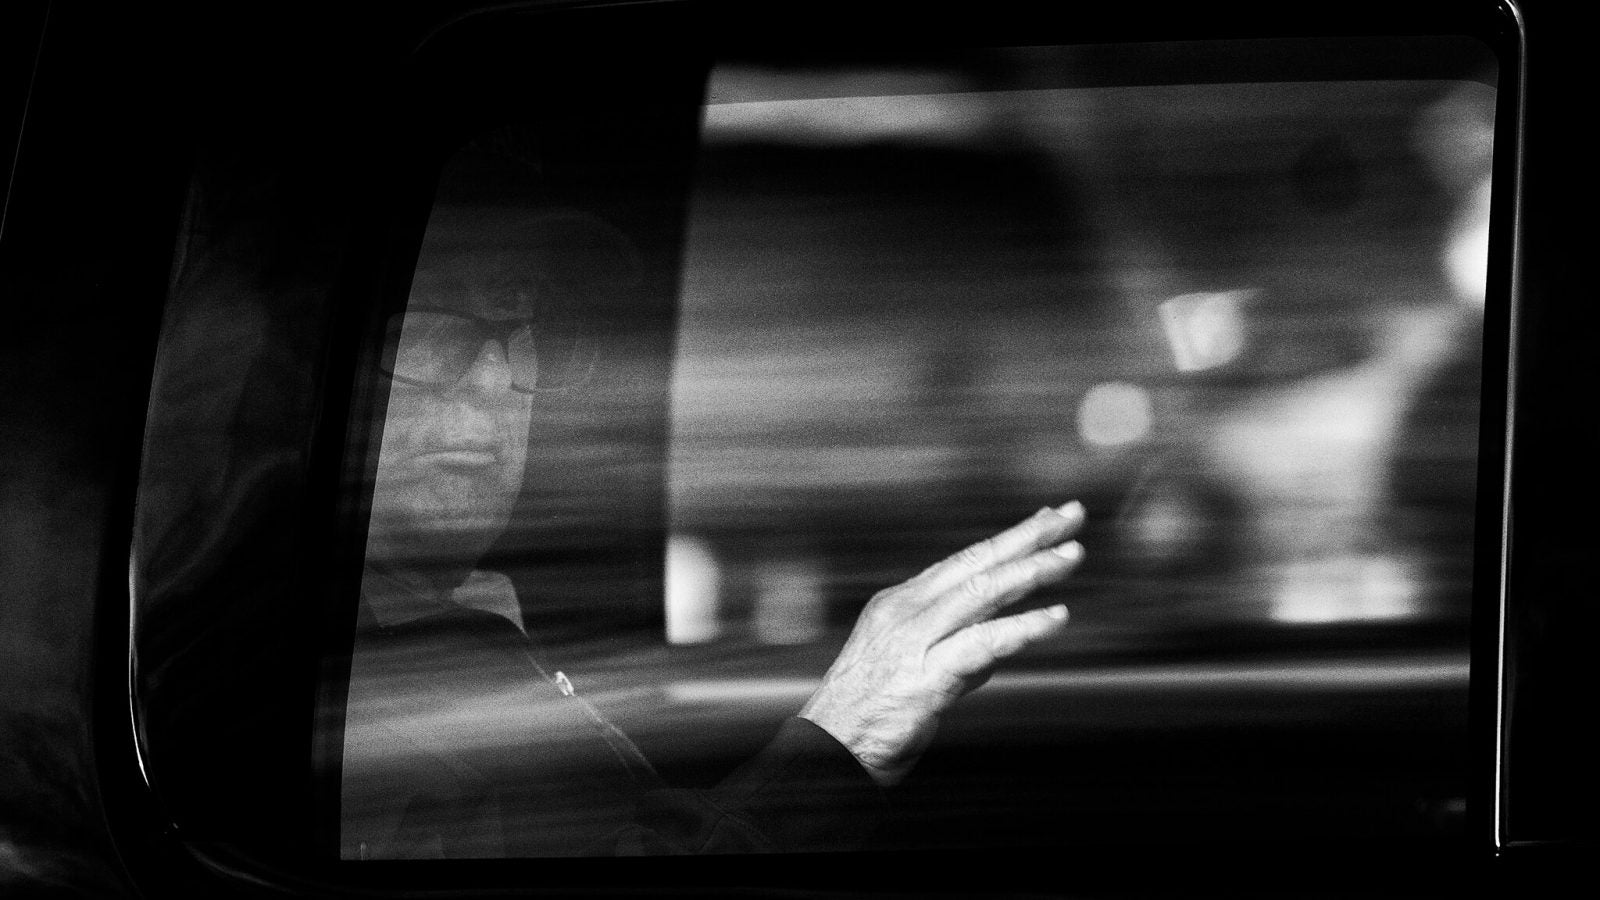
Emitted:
pixel 1205 329
pixel 1359 588
pixel 1114 414
pixel 1467 255
pixel 845 120
pixel 693 590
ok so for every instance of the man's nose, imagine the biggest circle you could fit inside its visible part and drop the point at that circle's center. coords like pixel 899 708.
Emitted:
pixel 490 373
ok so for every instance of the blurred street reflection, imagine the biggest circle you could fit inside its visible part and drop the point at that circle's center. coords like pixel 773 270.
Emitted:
pixel 1231 317
pixel 1241 322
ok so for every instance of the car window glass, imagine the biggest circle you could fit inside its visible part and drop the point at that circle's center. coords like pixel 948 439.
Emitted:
pixel 1240 321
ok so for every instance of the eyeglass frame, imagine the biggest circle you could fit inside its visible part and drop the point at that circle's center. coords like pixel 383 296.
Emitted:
pixel 496 330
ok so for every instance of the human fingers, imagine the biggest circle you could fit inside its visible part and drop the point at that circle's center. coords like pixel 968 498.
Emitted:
pixel 1047 527
pixel 971 654
pixel 987 592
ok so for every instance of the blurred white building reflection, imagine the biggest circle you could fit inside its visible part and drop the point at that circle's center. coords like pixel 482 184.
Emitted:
pixel 693 588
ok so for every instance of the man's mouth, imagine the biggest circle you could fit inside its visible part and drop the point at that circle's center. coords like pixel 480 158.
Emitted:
pixel 460 458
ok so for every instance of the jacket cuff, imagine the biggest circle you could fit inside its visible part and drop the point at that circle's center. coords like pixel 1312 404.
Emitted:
pixel 806 792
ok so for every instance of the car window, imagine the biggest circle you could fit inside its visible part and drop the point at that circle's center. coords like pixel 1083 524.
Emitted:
pixel 609 551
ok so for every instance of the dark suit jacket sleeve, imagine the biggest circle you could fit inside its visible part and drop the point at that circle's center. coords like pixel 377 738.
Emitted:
pixel 803 792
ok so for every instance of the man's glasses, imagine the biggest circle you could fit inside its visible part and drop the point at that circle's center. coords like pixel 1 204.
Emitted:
pixel 436 347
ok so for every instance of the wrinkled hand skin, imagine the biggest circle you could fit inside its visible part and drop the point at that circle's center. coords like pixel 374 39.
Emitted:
pixel 921 645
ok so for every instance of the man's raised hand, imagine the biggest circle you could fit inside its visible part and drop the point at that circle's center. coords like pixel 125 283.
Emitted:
pixel 919 646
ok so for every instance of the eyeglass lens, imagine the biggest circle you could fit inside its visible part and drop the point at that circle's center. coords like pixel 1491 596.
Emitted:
pixel 437 348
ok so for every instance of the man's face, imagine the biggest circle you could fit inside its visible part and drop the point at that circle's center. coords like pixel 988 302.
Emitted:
pixel 451 462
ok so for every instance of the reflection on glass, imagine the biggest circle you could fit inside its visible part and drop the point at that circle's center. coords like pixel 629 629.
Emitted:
pixel 1231 310
pixel 1239 320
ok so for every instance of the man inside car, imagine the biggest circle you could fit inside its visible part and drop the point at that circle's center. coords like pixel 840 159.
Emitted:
pixel 459 741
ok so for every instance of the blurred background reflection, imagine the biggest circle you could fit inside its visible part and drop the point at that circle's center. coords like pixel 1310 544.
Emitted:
pixel 1240 321
pixel 1223 315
